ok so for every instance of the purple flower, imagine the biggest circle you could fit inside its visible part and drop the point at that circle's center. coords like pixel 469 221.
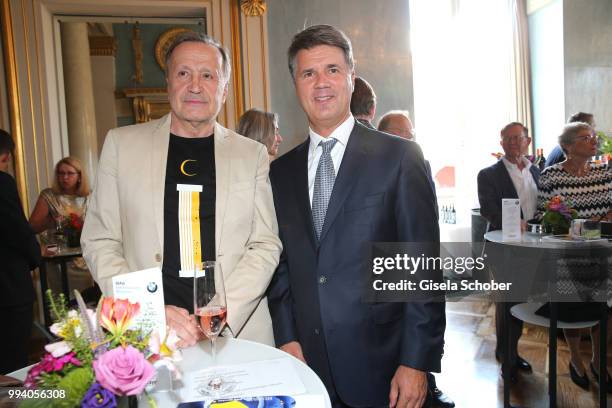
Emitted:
pixel 124 371
pixel 98 397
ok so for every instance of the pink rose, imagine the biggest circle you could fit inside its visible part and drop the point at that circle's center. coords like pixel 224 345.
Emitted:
pixel 123 371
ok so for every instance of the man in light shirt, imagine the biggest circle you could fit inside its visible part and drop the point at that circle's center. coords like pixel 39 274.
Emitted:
pixel 513 176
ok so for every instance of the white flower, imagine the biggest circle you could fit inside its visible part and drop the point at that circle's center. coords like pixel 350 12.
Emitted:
pixel 55 328
pixel 58 349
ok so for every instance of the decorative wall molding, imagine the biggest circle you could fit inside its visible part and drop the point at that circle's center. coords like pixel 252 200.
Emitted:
pixel 138 55
pixel 253 8
pixel 163 43
pixel 102 46
pixel 147 103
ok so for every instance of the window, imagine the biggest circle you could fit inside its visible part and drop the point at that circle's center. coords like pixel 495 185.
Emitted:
pixel 464 88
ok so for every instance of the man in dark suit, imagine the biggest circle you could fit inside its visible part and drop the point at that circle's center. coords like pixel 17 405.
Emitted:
pixel 344 187
pixel 513 176
pixel 398 123
pixel 363 102
pixel 19 254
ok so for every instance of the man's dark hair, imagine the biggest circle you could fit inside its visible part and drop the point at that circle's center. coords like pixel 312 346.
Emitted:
pixel 322 34
pixel 192 36
pixel 580 117
pixel 363 98
pixel 6 142
pixel 509 125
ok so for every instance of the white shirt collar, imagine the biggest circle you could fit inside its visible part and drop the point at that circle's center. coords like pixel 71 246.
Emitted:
pixel 341 133
pixel 526 162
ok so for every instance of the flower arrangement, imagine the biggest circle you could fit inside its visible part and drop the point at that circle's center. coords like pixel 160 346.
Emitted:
pixel 99 358
pixel 558 215
pixel 606 143
pixel 71 227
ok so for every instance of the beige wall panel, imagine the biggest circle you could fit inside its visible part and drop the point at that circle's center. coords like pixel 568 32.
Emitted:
pixel 37 161
pixel 103 74
pixel 255 63
pixel 219 27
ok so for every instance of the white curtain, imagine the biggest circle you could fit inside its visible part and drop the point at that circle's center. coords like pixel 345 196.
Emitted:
pixel 465 87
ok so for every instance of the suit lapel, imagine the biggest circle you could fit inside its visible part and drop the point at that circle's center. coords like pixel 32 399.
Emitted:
pixel 350 167
pixel 301 190
pixel 160 140
pixel 535 173
pixel 222 177
pixel 505 180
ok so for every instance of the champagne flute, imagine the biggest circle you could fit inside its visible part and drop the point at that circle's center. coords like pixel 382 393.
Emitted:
pixel 211 309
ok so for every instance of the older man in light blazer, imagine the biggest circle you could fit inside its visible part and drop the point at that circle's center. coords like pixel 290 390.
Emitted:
pixel 133 218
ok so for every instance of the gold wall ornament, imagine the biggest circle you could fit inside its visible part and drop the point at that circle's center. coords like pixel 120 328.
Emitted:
pixel 147 103
pixel 253 8
pixel 163 43
pixel 102 46
pixel 137 47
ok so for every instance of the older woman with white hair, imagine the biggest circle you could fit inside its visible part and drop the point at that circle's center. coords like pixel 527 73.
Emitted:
pixel 588 187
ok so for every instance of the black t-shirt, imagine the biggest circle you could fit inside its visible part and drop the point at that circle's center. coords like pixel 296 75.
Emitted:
pixel 190 161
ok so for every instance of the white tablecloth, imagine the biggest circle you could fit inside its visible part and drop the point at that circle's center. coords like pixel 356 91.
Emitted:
pixel 229 351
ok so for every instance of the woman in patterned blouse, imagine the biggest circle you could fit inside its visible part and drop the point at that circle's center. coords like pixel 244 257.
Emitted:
pixel 588 187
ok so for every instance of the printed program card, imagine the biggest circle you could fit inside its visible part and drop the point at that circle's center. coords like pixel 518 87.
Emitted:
pixel 146 288
pixel 511 219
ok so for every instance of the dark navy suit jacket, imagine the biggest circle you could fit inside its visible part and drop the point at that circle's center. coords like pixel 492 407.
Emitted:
pixel 494 184
pixel 19 250
pixel 381 194
pixel 556 156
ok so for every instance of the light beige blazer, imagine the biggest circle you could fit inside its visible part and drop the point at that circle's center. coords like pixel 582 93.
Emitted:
pixel 124 226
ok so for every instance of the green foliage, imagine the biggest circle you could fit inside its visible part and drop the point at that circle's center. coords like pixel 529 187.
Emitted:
pixel 58 305
pixel 556 221
pixel 606 143
pixel 76 383
pixel 136 339
pixel 74 380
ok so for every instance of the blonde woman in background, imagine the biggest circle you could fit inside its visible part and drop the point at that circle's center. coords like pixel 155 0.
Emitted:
pixel 262 127
pixel 67 195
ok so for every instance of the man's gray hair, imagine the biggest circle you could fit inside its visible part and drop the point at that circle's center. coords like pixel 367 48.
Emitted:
pixel 192 36
pixel 570 133
pixel 316 35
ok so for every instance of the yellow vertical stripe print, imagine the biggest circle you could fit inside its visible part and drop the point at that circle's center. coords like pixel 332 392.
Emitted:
pixel 195 229
pixel 190 242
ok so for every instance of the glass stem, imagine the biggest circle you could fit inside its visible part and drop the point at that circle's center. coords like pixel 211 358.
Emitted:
pixel 213 349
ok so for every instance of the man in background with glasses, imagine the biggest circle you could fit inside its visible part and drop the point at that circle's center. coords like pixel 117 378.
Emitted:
pixel 513 176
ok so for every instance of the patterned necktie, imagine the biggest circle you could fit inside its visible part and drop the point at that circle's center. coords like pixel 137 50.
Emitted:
pixel 323 185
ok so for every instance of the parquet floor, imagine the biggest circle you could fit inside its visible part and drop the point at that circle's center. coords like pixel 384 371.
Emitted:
pixel 470 373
